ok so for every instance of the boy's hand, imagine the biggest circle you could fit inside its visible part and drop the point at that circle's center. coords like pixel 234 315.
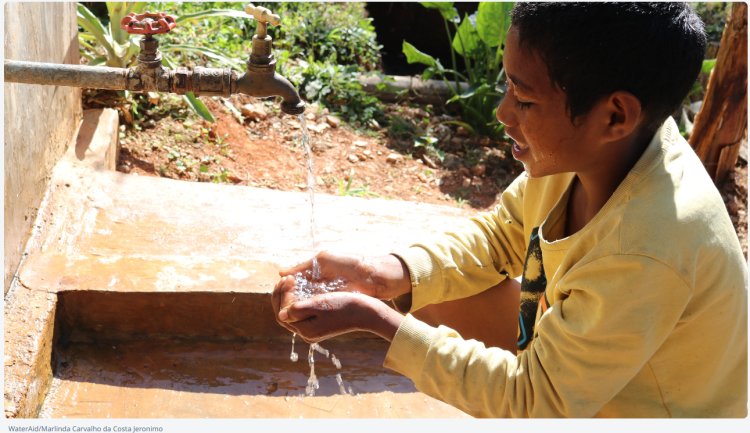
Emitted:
pixel 330 314
pixel 383 277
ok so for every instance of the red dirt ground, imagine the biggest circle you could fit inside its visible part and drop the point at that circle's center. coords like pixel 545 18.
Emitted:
pixel 371 162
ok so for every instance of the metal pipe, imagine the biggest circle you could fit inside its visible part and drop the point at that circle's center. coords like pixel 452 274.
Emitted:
pixel 260 80
pixel 91 77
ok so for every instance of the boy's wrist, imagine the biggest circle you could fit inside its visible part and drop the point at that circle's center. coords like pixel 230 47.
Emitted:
pixel 385 321
pixel 391 274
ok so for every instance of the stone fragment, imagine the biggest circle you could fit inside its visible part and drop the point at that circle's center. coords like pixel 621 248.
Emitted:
pixel 318 127
pixel 333 121
pixel 479 170
pixel 429 161
pixel 254 112
pixel 352 158
pixel 394 158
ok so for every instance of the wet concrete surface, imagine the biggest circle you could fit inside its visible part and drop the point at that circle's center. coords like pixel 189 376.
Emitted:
pixel 216 355
pixel 252 379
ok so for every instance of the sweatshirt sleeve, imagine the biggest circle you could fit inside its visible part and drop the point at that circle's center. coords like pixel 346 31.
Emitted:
pixel 587 346
pixel 473 258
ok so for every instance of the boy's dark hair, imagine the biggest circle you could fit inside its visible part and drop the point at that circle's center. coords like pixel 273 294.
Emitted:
pixel 652 50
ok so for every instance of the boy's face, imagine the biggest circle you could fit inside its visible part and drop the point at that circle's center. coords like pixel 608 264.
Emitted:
pixel 535 116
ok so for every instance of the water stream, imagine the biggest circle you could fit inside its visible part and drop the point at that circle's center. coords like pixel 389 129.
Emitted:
pixel 308 284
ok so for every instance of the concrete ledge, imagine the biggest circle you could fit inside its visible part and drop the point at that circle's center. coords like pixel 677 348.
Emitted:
pixel 97 144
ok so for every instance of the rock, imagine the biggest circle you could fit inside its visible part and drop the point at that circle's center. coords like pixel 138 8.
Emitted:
pixel 318 127
pixel 361 157
pixel 394 158
pixel 429 161
pixel 466 182
pixel 352 158
pixel 462 132
pixel 254 112
pixel 333 121
pixel 422 177
pixel 479 170
pixel 373 124
pixel 456 143
pixel 485 141
pixel 360 143
pixel 451 161
pixel 309 115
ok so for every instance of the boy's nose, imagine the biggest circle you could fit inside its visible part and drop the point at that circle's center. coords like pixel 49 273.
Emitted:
pixel 503 114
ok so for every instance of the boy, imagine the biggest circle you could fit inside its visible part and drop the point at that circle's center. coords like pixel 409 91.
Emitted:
pixel 633 301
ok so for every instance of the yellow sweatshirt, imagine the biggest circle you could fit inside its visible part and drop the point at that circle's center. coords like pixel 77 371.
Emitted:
pixel 647 304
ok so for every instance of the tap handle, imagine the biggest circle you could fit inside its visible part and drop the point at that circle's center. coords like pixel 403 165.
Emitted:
pixel 262 15
pixel 147 23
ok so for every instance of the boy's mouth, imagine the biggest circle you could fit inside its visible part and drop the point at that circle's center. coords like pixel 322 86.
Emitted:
pixel 518 149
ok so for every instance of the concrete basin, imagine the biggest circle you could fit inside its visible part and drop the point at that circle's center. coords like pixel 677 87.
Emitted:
pixel 150 298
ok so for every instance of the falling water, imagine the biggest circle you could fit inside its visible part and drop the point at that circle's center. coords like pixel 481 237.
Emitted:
pixel 311 191
pixel 308 284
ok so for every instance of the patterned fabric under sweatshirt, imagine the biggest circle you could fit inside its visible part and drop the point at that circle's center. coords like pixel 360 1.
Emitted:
pixel 642 313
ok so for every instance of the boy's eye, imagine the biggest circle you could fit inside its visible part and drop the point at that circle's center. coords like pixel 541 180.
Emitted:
pixel 523 105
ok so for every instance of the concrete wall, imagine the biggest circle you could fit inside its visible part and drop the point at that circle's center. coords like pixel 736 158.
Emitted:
pixel 39 121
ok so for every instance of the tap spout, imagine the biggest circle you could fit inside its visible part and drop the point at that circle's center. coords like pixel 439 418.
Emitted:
pixel 269 83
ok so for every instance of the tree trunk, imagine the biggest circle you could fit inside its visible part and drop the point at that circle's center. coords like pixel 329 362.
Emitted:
pixel 722 122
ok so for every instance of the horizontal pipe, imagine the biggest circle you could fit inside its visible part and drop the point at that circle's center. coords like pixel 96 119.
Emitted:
pixel 260 82
pixel 90 77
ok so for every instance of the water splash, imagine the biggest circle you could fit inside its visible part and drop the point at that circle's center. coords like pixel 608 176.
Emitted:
pixel 293 356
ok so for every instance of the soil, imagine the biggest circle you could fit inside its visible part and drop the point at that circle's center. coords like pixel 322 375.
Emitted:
pixel 263 148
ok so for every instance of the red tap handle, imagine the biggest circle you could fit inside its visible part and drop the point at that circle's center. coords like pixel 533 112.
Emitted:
pixel 147 23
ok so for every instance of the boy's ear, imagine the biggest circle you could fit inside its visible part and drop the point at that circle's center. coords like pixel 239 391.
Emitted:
pixel 623 115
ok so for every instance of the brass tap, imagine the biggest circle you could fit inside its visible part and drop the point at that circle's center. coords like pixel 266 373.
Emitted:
pixel 261 79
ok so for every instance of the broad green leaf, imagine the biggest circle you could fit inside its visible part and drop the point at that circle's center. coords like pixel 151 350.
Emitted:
pixel 708 66
pixel 116 10
pixel 493 21
pixel 91 24
pixel 459 123
pixel 212 13
pixel 446 9
pixel 198 106
pixel 466 40
pixel 474 90
pixel 98 61
pixel 413 55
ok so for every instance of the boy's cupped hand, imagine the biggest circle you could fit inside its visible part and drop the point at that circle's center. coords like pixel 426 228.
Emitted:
pixel 325 315
pixel 382 277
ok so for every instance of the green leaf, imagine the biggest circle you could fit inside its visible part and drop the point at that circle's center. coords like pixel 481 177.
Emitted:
pixel 446 9
pixel 212 13
pixel 413 55
pixel 493 21
pixel 475 90
pixel 466 40
pixel 708 66
pixel 91 24
pixel 198 107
